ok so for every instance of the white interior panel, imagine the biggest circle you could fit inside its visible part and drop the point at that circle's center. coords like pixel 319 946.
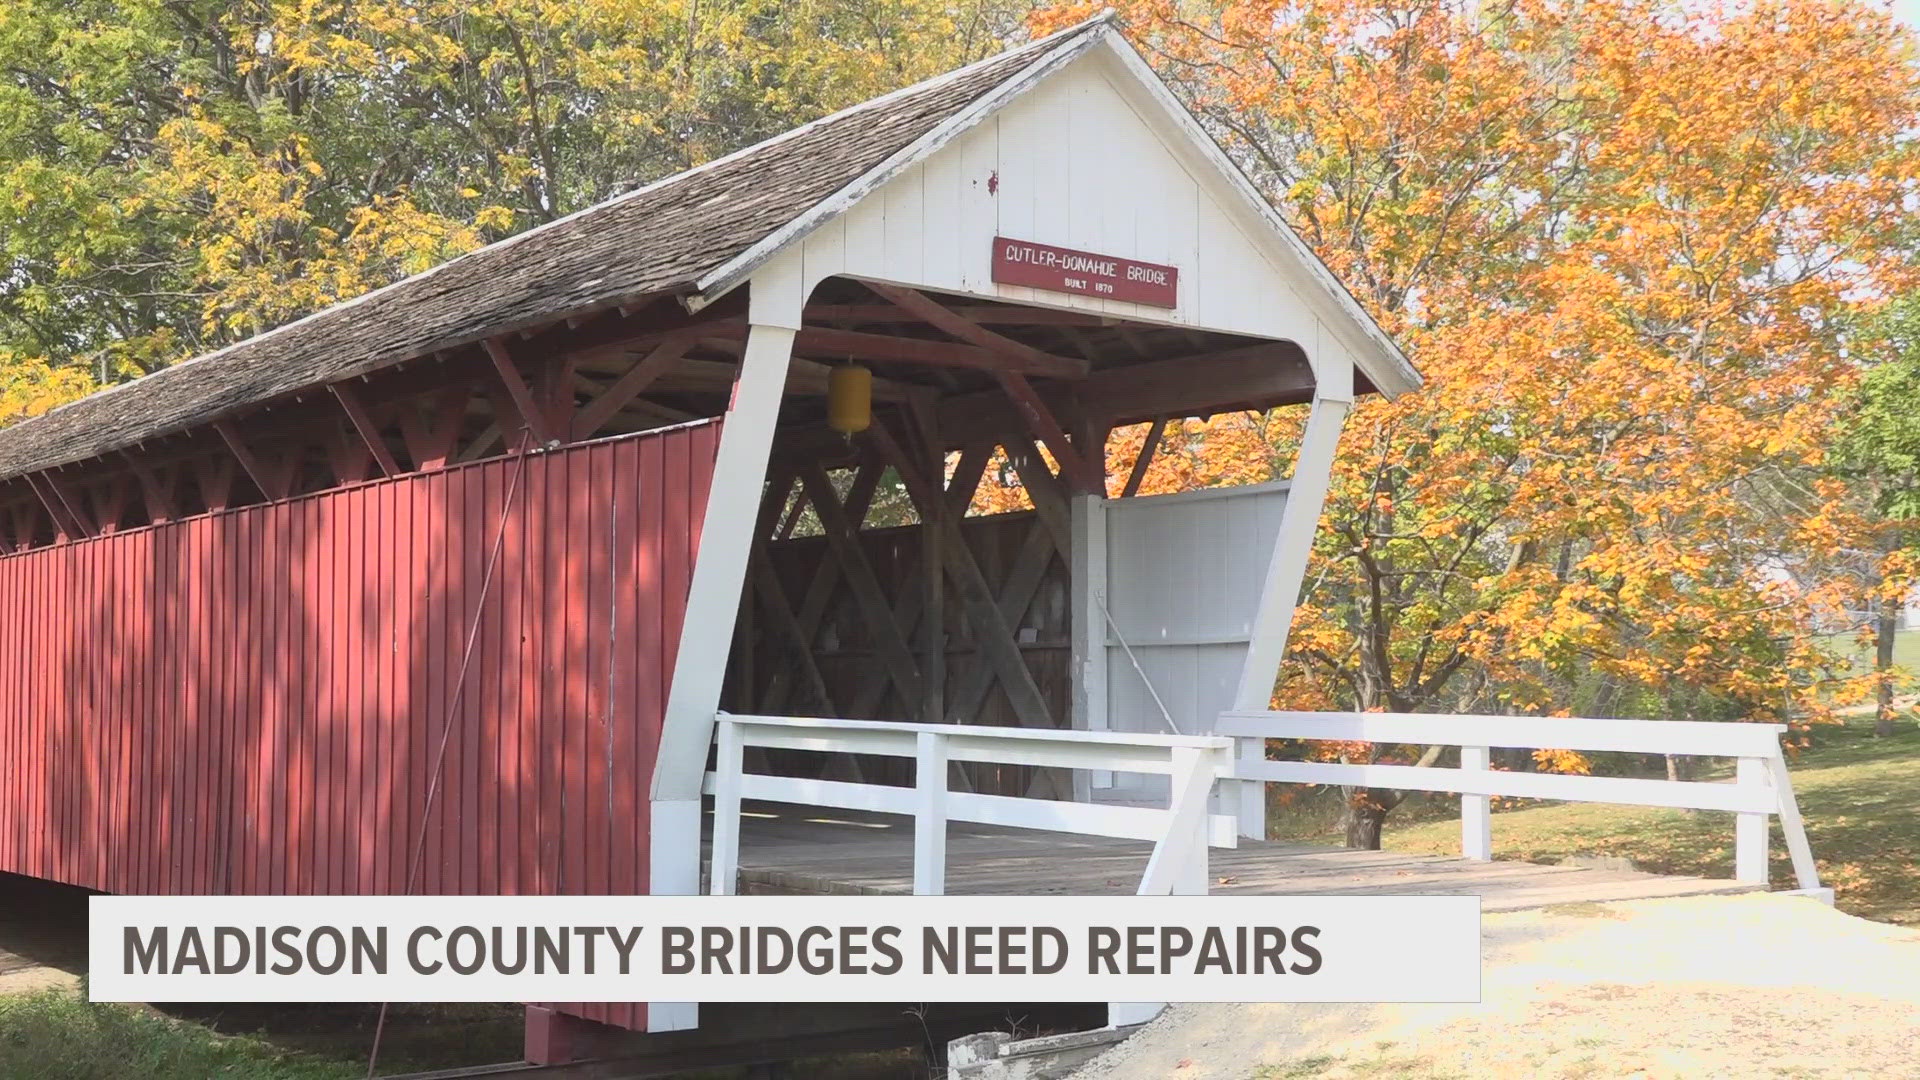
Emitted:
pixel 1183 580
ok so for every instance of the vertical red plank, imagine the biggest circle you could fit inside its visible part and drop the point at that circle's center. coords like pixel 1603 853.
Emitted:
pixel 358 758
pixel 424 542
pixel 129 698
pixel 487 657
pixel 649 599
pixel 515 744
pixel 570 664
pixel 381 836
pixel 466 733
pixel 373 605
pixel 441 567
pixel 594 546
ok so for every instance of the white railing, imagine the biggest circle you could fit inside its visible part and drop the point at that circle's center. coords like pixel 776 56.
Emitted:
pixel 1181 833
pixel 1761 785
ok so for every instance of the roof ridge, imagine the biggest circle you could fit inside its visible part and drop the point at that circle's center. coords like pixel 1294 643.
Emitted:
pixel 1035 46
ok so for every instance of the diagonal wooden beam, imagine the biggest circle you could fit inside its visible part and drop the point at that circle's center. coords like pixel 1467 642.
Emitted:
pixel 531 415
pixel 348 455
pixel 1080 474
pixel 1050 503
pixel 271 482
pixel 66 521
pixel 820 591
pixel 1148 448
pixel 992 629
pixel 630 385
pixel 889 641
pixel 156 487
pixel 369 431
pixel 1018 354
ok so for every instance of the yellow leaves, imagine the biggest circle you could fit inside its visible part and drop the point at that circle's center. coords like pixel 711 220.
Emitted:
pixel 30 386
pixel 1612 237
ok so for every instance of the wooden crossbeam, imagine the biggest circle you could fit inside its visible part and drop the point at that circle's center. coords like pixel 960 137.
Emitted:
pixel 1018 355
pixel 773 599
pixel 1254 376
pixel 889 641
pixel 214 475
pixel 967 472
pixel 432 439
pixel 628 386
pixel 109 499
pixel 1080 473
pixel 556 385
pixel 813 605
pixel 529 413
pixel 156 486
pixel 271 482
pixel 362 422
pixel 348 455
pixel 1043 490
pixel 24 526
pixel 1141 463
pixel 860 345
pixel 991 627
pixel 66 522
pixel 1015 596
pixel 978 313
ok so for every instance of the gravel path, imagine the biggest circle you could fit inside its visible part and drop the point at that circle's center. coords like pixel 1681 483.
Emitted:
pixel 1736 986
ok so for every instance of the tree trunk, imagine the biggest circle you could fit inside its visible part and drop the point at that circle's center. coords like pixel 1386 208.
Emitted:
pixel 1887 623
pixel 1366 812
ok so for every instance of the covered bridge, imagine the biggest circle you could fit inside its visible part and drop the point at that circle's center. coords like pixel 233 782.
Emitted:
pixel 521 531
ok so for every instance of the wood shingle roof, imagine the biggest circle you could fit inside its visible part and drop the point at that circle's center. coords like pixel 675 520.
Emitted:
pixel 660 238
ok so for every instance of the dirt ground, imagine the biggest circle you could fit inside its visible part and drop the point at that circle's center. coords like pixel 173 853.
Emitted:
pixel 1738 986
pixel 43 935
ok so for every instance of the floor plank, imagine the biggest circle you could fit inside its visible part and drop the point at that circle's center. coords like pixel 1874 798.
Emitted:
pixel 804 850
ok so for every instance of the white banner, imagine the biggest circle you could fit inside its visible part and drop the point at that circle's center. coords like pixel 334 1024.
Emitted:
pixel 784 948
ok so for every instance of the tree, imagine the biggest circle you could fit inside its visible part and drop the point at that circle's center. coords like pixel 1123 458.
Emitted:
pixel 178 174
pixel 1877 453
pixel 1622 241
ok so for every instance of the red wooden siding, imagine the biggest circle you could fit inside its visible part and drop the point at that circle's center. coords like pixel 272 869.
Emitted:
pixel 250 701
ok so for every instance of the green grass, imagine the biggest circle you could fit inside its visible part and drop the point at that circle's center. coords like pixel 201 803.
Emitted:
pixel 56 1035
pixel 1906 649
pixel 1860 797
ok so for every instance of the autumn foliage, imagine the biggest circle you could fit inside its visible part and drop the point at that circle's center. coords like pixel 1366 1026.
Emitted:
pixel 1636 248
pixel 1629 244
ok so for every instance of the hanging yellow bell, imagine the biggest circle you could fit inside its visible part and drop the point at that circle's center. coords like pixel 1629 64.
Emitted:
pixel 849 399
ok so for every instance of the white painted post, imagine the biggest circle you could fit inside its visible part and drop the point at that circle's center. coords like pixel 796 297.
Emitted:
pixel 1171 864
pixel 930 815
pixel 1253 793
pixel 1750 830
pixel 1178 865
pixel 729 759
pixel 1088 587
pixel 1476 811
pixel 713 603
pixel 1287 568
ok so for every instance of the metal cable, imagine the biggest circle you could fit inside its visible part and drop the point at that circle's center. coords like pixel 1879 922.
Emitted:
pixel 446 728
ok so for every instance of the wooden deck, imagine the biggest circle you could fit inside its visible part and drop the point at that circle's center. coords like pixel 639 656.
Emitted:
pixel 802 850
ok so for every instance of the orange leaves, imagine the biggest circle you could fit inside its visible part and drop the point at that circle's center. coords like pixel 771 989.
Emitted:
pixel 1623 241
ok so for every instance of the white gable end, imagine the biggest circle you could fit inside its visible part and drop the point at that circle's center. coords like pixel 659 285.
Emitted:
pixel 1073 163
